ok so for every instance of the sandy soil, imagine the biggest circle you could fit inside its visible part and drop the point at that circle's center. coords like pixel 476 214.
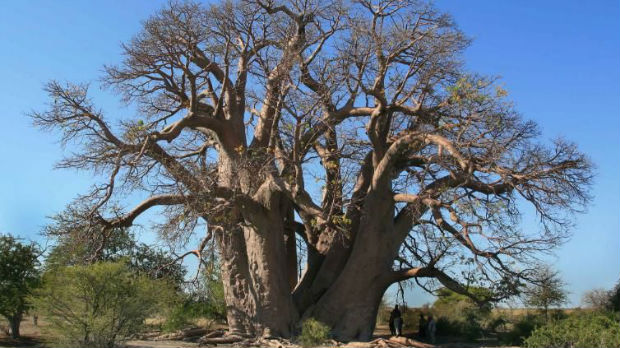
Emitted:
pixel 32 338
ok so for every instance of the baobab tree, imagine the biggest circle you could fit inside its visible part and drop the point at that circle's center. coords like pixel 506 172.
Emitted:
pixel 351 125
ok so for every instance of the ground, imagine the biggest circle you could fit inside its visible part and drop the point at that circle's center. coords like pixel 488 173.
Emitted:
pixel 32 338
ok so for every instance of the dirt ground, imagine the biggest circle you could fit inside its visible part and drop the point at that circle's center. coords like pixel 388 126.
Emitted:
pixel 32 337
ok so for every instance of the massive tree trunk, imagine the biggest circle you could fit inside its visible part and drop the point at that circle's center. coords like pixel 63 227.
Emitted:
pixel 240 300
pixel 351 303
pixel 268 266
pixel 256 255
pixel 255 282
pixel 344 297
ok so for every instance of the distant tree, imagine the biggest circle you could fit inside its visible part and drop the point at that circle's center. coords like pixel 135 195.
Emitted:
pixel 597 298
pixel 546 290
pixel 614 300
pixel 19 275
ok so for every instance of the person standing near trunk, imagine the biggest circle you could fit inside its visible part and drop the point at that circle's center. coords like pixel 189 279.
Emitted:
pixel 431 328
pixel 421 326
pixel 395 322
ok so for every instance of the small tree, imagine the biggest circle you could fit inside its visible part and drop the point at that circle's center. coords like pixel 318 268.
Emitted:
pixel 18 276
pixel 99 304
pixel 546 290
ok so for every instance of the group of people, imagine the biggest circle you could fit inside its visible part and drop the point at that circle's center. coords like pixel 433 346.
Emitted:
pixel 426 328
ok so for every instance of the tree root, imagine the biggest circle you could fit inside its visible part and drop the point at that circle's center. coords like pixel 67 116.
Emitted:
pixel 219 337
pixel 392 342
pixel 220 340
pixel 181 335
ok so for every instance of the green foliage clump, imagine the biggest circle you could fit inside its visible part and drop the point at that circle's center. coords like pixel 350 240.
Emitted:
pixel 76 248
pixel 213 292
pixel 459 315
pixel 182 314
pixel 467 325
pixel 19 275
pixel 204 300
pixel 313 333
pixel 98 305
pixel 592 329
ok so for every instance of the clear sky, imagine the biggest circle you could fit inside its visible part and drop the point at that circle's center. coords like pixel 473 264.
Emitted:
pixel 560 61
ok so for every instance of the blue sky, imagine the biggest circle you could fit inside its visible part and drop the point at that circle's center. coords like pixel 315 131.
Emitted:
pixel 560 61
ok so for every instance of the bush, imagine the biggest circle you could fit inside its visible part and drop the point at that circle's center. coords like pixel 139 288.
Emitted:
pixel 578 330
pixel 204 300
pixel 181 316
pixel 460 317
pixel 469 329
pixel 521 329
pixel 186 312
pixel 313 333
pixel 98 305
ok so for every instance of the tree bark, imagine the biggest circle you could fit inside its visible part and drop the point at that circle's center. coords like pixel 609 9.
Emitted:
pixel 256 253
pixel 350 305
pixel 323 270
pixel 240 302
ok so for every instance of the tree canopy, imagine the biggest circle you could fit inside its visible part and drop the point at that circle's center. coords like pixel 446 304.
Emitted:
pixel 351 125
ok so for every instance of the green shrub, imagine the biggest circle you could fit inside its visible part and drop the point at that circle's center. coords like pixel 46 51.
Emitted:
pixel 460 317
pixel 204 300
pixel 469 329
pixel 313 333
pixel 184 313
pixel 181 316
pixel 578 330
pixel 98 305
pixel 520 329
